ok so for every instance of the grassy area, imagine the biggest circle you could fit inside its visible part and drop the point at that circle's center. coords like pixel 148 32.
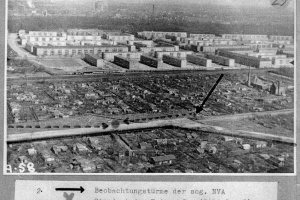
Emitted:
pixel 24 66
pixel 24 63
pixel 11 53
pixel 282 125
pixel 58 63
pixel 283 121
pixel 289 72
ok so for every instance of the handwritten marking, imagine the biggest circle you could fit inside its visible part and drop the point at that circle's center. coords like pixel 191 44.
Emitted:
pixel 279 3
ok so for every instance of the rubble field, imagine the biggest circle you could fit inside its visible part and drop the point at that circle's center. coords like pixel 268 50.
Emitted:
pixel 67 101
pixel 162 150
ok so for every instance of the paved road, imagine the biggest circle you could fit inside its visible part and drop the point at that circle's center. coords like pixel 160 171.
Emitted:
pixel 12 42
pixel 131 74
pixel 180 122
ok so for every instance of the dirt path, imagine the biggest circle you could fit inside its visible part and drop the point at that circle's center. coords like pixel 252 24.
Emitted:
pixel 12 42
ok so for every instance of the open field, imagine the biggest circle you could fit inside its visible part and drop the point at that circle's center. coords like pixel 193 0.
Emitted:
pixel 61 63
pixel 277 125
pixel 67 64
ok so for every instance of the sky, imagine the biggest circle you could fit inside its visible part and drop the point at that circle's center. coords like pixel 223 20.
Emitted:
pixel 233 3
pixel 257 3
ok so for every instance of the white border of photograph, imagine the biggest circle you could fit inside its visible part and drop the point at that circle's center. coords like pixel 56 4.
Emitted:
pixel 154 174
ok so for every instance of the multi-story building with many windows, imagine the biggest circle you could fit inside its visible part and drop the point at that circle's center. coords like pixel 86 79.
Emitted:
pixel 45 51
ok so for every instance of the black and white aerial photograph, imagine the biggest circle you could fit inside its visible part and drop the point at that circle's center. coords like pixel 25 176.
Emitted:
pixel 150 87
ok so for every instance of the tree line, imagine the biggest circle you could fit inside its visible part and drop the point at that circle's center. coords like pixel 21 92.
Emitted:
pixel 38 23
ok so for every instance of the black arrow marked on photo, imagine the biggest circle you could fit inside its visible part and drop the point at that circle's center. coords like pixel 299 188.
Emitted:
pixel 200 108
pixel 81 189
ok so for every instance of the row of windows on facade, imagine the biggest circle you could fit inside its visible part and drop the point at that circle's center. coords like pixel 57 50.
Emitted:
pixel 83 38
pixel 43 33
pixel 157 49
pixel 50 39
pixel 281 37
pixel 59 52
pixel 128 55
pixel 259 36
pixel 119 37
pixel 179 54
pixel 163 34
pixel 243 35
